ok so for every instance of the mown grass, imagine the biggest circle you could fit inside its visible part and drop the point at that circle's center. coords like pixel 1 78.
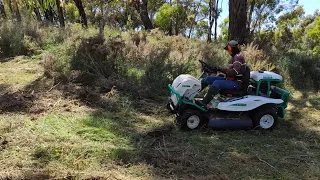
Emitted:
pixel 20 71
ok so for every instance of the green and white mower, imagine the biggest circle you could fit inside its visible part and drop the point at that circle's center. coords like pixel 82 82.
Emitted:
pixel 258 104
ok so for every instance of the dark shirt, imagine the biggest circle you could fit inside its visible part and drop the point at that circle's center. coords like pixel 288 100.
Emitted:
pixel 237 66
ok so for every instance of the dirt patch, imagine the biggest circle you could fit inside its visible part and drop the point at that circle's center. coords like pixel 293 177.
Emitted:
pixel 15 102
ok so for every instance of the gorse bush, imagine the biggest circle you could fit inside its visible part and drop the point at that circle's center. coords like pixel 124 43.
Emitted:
pixel 301 70
pixel 12 40
pixel 214 54
pixel 256 58
pixel 160 71
pixel 99 56
pixel 30 38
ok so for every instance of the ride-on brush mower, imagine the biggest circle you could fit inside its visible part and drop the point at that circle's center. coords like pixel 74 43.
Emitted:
pixel 258 104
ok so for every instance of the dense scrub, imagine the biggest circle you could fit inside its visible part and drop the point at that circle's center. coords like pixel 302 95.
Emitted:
pixel 140 63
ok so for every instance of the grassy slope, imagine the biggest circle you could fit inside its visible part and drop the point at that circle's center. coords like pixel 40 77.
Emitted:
pixel 46 133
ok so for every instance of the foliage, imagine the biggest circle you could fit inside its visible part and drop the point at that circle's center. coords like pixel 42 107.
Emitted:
pixel 257 59
pixel 314 35
pixel 284 34
pixel 170 18
pixel 264 13
pixel 301 69
pixel 202 28
pixel 224 26
pixel 72 13
pixel 97 56
pixel 18 40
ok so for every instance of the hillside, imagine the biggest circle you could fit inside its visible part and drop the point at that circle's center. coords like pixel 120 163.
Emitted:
pixel 62 124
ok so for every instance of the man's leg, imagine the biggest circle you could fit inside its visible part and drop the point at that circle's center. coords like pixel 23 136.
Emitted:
pixel 215 87
pixel 209 80
pixel 225 84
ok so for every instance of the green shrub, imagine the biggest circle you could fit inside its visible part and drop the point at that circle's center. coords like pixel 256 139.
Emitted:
pixel 256 58
pixel 53 67
pixel 18 39
pixel 301 70
pixel 97 56
pixel 214 54
pixel 11 42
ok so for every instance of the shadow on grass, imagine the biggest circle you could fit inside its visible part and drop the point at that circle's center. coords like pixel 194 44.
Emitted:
pixel 14 101
pixel 24 100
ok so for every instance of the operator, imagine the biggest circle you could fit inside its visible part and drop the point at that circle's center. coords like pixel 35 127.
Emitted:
pixel 234 72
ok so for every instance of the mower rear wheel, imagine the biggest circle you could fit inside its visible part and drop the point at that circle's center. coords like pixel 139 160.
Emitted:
pixel 265 117
pixel 189 120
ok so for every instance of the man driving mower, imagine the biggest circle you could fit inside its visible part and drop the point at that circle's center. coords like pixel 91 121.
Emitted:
pixel 234 72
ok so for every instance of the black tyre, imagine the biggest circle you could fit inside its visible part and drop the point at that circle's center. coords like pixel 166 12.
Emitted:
pixel 169 108
pixel 189 120
pixel 265 117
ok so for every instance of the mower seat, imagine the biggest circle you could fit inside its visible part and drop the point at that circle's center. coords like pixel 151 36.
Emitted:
pixel 245 79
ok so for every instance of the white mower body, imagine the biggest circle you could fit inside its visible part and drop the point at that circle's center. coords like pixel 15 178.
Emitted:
pixel 186 86
pixel 263 75
pixel 246 103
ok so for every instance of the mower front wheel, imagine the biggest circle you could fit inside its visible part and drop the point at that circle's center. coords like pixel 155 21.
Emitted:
pixel 189 120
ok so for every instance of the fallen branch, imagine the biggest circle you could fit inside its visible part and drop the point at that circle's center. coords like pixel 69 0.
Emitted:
pixel 54 86
pixel 266 163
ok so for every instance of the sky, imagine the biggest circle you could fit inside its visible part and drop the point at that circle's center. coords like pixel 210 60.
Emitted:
pixel 309 6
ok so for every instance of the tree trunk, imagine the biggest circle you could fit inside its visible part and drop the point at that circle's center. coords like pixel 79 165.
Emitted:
pixel 144 15
pixel 48 13
pixel 64 9
pixel 105 14
pixel 238 20
pixel 103 21
pixel 38 15
pixel 211 19
pixel 10 9
pixel 82 13
pixel 176 25
pixel 194 20
pixel 249 19
pixel 18 15
pixel 2 10
pixel 216 20
pixel 60 13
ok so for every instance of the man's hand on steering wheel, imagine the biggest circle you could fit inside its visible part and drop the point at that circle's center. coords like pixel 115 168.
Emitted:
pixel 208 68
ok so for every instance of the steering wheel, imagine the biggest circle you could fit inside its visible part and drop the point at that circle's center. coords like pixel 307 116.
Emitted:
pixel 208 68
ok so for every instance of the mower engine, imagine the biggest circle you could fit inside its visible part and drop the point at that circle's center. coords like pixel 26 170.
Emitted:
pixel 186 86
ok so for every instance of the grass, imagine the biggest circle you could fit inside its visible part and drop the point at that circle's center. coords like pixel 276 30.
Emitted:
pixel 72 139
pixel 20 71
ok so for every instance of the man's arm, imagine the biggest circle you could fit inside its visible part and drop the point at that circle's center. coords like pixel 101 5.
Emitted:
pixel 235 70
